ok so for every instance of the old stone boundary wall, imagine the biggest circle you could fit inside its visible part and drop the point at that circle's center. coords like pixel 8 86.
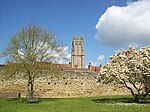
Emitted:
pixel 70 84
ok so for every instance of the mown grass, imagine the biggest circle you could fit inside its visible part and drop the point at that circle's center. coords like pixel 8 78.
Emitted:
pixel 86 104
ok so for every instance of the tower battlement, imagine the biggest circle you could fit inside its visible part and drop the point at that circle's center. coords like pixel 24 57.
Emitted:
pixel 78 38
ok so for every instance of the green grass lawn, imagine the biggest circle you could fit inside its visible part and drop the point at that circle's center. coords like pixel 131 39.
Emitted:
pixel 86 104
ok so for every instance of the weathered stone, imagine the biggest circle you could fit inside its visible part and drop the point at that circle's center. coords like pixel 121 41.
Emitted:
pixel 77 58
pixel 69 87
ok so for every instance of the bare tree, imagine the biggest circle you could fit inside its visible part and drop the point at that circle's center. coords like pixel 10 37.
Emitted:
pixel 28 49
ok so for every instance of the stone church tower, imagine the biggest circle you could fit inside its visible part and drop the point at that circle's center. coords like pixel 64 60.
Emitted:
pixel 77 57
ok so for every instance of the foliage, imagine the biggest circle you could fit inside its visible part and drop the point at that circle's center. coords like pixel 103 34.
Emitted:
pixel 131 69
pixel 27 52
pixel 87 104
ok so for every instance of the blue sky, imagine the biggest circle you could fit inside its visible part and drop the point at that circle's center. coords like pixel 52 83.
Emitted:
pixel 95 19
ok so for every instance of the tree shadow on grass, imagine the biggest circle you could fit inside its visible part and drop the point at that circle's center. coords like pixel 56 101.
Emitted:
pixel 14 100
pixel 24 100
pixel 49 99
pixel 115 100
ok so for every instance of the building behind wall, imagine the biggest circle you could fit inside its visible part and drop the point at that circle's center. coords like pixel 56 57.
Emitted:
pixel 77 57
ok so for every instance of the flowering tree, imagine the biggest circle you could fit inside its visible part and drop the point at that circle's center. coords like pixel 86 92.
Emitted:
pixel 131 69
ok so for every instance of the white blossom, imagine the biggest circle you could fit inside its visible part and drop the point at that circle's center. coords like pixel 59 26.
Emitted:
pixel 129 68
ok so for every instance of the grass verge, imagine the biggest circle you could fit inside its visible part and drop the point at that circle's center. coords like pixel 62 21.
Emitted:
pixel 86 104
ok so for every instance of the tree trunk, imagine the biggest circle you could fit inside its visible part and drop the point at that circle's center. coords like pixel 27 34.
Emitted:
pixel 31 89
pixel 132 92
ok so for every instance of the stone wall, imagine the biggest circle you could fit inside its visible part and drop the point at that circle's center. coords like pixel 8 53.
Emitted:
pixel 70 84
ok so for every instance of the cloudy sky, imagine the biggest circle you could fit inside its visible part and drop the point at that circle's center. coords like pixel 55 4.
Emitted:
pixel 107 25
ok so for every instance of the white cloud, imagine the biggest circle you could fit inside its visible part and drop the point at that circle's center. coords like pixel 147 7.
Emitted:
pixel 64 57
pixel 98 61
pixel 131 1
pixel 100 58
pixel 94 63
pixel 113 1
pixel 120 26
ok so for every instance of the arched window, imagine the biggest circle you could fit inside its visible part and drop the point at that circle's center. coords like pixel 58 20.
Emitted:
pixel 79 48
pixel 76 47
